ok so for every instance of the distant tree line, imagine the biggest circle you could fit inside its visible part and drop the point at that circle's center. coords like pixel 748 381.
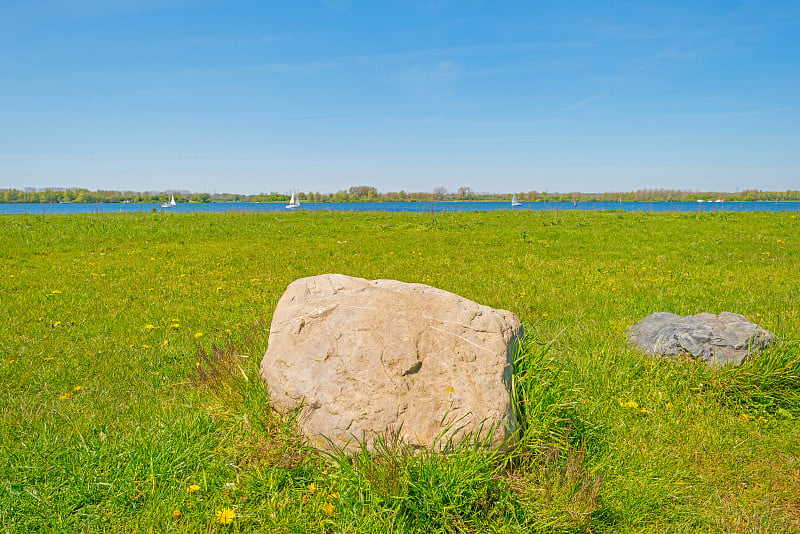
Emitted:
pixel 366 193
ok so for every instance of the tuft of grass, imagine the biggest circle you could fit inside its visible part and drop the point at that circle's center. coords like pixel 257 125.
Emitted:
pixel 767 384
pixel 557 492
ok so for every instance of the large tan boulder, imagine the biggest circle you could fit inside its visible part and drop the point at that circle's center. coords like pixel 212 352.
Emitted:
pixel 376 357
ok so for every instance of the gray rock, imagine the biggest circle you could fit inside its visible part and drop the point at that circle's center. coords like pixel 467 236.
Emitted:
pixel 724 339
pixel 368 358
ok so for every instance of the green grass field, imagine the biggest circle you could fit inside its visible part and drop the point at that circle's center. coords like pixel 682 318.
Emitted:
pixel 131 402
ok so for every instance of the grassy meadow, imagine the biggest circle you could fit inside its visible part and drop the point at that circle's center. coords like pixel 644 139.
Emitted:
pixel 130 345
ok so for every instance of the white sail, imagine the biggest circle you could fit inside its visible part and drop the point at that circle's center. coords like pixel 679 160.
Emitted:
pixel 514 201
pixel 294 202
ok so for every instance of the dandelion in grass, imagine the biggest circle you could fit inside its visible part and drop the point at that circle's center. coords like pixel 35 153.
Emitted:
pixel 55 292
pixel 225 516
pixel 57 323
pixel 328 508
pixel 165 343
pixel 145 346
pixel 176 326
pixel 334 495
pixel 192 488
pixel 176 513
pixel 77 388
pixel 312 487
pixel 49 358
pixel 65 396
pixel 150 327
pixel 198 335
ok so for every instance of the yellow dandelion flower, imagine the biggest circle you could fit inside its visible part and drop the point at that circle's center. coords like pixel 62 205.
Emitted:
pixel 43 359
pixel 145 346
pixel 226 516
pixel 175 325
pixel 198 335
pixel 165 343
pixel 228 331
pixel 57 323
pixel 668 406
pixel 150 327
pixel 328 508
pixel 176 513
pixel 12 360
pixel 632 404
pixel 334 495
pixel 65 396
pixel 77 388
pixel 449 390
pixel 544 315
pixel 56 292
pixel 312 487
pixel 192 488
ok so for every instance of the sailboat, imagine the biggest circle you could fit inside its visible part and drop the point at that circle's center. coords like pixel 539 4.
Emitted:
pixel 294 202
pixel 171 203
pixel 514 201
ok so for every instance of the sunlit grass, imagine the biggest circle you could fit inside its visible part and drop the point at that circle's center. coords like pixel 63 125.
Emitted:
pixel 130 344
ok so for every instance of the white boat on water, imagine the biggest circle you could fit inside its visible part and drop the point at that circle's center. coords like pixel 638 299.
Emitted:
pixel 171 203
pixel 515 202
pixel 294 202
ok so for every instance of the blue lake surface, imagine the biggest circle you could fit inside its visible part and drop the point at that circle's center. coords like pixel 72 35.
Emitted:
pixel 436 207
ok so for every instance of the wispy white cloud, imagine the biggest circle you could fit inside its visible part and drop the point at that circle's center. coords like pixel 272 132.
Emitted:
pixel 15 10
pixel 432 81
pixel 337 6
pixel 582 103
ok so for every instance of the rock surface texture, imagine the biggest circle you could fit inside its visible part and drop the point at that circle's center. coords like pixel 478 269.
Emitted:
pixel 724 339
pixel 367 358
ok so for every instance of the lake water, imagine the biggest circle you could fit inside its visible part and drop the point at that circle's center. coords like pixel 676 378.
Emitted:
pixel 437 207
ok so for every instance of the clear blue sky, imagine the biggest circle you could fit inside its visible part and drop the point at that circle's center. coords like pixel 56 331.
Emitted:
pixel 250 96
